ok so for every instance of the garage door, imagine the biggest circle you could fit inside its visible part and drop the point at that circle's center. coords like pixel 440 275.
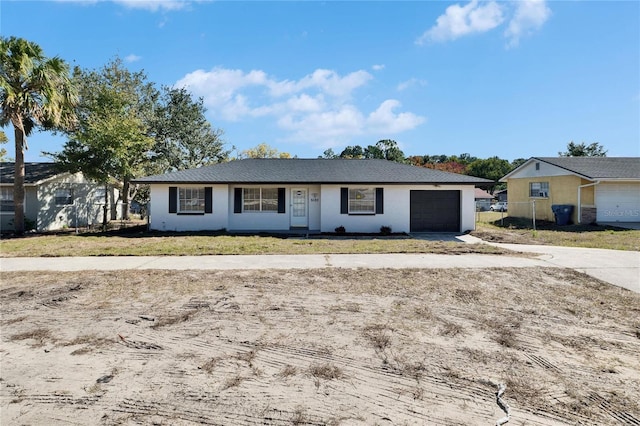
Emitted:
pixel 619 202
pixel 435 211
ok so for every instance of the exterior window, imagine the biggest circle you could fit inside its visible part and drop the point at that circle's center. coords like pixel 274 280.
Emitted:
pixel 362 200
pixel 539 189
pixel 191 200
pixel 260 199
pixel 6 200
pixel 64 196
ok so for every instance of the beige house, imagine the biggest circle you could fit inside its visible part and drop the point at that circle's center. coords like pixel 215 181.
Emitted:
pixel 53 200
pixel 599 189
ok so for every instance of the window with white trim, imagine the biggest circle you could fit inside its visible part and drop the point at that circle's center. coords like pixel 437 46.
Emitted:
pixel 6 200
pixel 191 200
pixel 64 196
pixel 260 200
pixel 539 189
pixel 362 200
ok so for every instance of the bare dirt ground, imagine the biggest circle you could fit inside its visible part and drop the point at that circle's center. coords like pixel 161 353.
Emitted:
pixel 317 347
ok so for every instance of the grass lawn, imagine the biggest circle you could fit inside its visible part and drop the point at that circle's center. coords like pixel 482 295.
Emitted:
pixel 143 243
pixel 500 228
pixel 137 242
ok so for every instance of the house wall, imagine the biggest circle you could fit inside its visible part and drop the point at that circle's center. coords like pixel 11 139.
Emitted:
pixel 563 189
pixel 323 209
pixel 87 207
pixel 396 209
pixel 161 220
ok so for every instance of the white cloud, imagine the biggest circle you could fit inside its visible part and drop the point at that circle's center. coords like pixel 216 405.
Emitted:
pixel 319 107
pixel 385 120
pixel 378 67
pixel 529 16
pixel 459 21
pixel 154 5
pixel 132 58
pixel 410 83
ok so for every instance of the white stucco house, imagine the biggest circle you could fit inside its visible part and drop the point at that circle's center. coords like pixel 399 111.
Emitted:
pixel 319 195
pixel 53 199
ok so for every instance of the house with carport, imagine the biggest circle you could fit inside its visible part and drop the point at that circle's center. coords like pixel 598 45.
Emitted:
pixel 317 195
pixel 600 189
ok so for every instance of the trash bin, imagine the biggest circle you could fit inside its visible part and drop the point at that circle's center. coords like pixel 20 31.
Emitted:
pixel 563 213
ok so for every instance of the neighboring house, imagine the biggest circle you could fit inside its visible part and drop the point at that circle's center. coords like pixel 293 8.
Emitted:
pixel 318 195
pixel 483 200
pixel 501 195
pixel 600 189
pixel 53 199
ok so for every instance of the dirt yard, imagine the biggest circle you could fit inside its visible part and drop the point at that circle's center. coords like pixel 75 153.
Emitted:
pixel 317 347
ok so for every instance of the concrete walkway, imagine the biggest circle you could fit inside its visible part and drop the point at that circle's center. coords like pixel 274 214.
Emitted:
pixel 621 268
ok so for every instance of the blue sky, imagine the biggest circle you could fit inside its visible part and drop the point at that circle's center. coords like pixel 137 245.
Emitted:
pixel 514 79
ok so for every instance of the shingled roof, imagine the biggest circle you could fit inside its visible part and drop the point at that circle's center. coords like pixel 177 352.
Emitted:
pixel 598 167
pixel 33 172
pixel 314 171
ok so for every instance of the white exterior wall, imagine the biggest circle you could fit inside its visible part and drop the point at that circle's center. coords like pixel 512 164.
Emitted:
pixel 323 210
pixel 161 220
pixel 85 210
pixel 396 208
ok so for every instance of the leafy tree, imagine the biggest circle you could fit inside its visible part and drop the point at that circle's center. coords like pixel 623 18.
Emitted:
pixel 518 162
pixel 492 168
pixel 584 150
pixel 328 153
pixel 263 151
pixel 385 149
pixel 3 152
pixel 184 139
pixel 352 152
pixel 111 140
pixel 35 93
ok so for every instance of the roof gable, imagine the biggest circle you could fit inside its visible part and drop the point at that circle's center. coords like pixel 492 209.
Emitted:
pixel 33 172
pixel 296 170
pixel 592 168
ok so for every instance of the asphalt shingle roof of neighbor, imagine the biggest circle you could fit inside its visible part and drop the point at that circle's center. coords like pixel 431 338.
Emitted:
pixel 598 167
pixel 33 172
pixel 297 170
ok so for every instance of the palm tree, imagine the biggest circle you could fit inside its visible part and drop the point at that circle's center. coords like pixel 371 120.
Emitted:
pixel 35 92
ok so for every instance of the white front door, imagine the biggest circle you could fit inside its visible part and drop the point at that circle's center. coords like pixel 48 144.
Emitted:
pixel 299 210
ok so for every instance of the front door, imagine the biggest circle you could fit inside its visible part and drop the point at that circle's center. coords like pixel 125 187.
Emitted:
pixel 299 210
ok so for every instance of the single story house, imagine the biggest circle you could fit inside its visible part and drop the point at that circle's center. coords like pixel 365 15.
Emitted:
pixel 600 189
pixel 53 199
pixel 483 200
pixel 318 195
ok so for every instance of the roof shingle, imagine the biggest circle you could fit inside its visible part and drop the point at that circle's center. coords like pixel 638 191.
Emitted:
pixel 33 172
pixel 598 167
pixel 296 170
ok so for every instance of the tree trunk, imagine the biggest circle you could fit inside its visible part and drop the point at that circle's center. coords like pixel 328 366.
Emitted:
pixel 125 198
pixel 18 183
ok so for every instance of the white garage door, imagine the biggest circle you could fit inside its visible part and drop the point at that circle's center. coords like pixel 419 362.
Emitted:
pixel 619 202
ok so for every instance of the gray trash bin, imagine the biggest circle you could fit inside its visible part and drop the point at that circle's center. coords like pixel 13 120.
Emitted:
pixel 563 213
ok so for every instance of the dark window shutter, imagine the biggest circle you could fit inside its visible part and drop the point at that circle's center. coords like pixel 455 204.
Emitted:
pixel 208 199
pixel 281 200
pixel 173 199
pixel 237 200
pixel 344 200
pixel 379 200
